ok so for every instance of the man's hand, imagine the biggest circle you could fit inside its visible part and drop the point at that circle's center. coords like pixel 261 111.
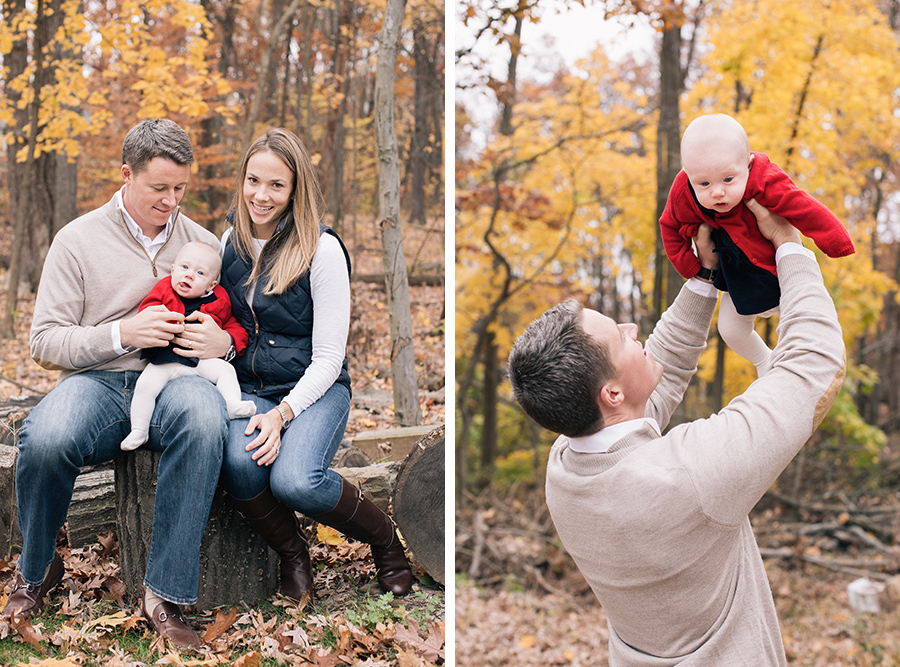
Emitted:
pixel 202 338
pixel 706 249
pixel 154 326
pixel 773 227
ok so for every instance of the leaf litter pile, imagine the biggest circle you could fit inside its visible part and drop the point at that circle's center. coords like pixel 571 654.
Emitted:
pixel 89 619
pixel 521 601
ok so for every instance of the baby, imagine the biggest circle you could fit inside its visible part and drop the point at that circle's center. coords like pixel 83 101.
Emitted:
pixel 191 287
pixel 720 173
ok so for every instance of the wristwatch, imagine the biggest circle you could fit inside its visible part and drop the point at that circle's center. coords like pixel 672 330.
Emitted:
pixel 709 275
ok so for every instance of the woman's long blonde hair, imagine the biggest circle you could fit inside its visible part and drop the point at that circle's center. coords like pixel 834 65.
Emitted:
pixel 288 254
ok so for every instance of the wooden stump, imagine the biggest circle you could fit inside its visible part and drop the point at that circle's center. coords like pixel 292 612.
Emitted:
pixel 235 563
pixel 9 525
pixel 418 502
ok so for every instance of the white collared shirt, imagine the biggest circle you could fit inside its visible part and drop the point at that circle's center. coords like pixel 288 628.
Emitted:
pixel 605 438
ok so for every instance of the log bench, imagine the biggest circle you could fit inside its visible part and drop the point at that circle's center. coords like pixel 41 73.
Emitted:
pixel 235 563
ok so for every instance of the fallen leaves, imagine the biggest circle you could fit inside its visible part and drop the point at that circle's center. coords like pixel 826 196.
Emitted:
pixel 82 624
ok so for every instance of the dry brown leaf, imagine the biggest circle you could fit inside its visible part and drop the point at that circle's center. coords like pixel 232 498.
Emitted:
pixel 407 658
pixel 431 647
pixel 221 625
pixel 249 660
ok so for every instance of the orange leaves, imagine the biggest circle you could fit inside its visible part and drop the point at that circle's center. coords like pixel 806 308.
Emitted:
pixel 218 627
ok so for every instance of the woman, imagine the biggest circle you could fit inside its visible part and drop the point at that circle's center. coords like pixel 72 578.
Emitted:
pixel 288 277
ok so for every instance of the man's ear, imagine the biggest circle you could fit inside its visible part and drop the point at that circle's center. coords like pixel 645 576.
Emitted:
pixel 611 395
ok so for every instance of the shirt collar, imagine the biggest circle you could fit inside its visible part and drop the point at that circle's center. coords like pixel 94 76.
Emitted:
pixel 605 438
pixel 133 227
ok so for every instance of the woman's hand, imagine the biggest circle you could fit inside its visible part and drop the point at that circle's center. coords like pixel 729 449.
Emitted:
pixel 202 338
pixel 268 442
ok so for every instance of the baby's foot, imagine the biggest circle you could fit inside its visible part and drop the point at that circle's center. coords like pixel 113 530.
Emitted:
pixel 134 440
pixel 240 409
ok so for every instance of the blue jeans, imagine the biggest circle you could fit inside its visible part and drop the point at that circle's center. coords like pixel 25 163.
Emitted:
pixel 81 422
pixel 299 477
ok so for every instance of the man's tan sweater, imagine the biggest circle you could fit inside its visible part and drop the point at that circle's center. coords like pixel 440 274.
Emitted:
pixel 96 273
pixel 659 525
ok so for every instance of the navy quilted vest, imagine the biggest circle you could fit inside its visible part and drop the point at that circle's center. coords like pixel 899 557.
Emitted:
pixel 280 326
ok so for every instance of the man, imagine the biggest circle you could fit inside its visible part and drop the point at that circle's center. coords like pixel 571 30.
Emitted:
pixel 658 524
pixel 87 325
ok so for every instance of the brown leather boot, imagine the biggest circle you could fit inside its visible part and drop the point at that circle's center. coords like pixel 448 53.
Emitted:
pixel 277 524
pixel 26 600
pixel 359 518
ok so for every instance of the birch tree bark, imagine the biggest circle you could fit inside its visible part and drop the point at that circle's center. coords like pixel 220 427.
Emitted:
pixel 403 359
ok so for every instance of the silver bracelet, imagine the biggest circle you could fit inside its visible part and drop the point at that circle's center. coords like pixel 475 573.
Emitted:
pixel 284 419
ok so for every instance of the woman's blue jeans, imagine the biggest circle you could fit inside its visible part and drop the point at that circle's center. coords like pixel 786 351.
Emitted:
pixel 81 422
pixel 299 477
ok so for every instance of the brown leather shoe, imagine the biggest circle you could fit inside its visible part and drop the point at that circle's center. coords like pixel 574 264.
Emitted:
pixel 167 620
pixel 27 600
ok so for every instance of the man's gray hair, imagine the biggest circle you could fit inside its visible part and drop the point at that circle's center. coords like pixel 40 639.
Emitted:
pixel 158 137
pixel 557 369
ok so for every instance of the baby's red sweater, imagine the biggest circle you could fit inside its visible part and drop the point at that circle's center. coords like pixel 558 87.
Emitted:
pixel 772 188
pixel 220 310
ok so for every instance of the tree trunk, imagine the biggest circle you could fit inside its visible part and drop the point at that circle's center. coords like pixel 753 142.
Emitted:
pixel 218 197
pixel 264 67
pixel 418 161
pixel 508 96
pixel 403 360
pixel 332 164
pixel 24 193
pixel 667 282
pixel 489 409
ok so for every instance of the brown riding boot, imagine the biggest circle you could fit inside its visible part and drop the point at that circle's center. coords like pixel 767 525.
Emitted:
pixel 359 518
pixel 277 524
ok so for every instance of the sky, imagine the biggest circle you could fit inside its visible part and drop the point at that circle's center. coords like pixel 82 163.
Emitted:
pixel 567 37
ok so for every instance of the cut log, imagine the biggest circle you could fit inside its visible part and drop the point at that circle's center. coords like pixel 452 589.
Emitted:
pixel 418 503
pixel 351 457
pixel 92 511
pixel 376 481
pixel 393 444
pixel 9 525
pixel 236 565
pixel 12 414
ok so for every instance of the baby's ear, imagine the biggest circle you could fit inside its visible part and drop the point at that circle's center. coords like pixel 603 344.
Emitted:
pixel 751 160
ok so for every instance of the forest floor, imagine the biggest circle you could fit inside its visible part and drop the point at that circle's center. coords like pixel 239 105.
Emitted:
pixel 521 601
pixel 89 620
